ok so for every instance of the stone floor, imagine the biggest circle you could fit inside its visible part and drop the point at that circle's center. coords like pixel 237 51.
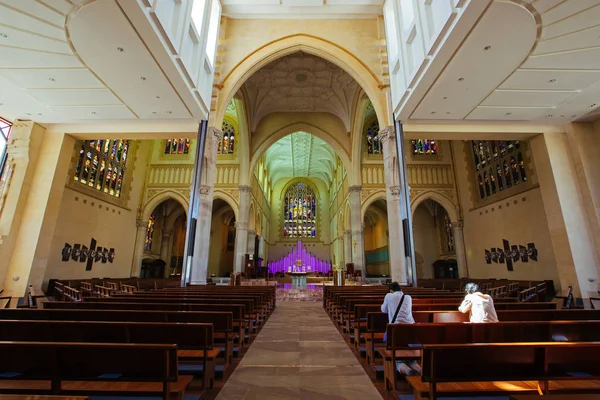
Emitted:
pixel 299 354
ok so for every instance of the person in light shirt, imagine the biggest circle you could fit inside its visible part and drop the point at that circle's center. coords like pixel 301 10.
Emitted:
pixel 481 306
pixel 399 305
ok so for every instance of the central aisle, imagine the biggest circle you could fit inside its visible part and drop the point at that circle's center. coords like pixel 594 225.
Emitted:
pixel 299 354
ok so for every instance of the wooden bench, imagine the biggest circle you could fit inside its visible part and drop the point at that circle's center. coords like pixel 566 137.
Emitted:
pixel 508 368
pixel 194 341
pixel 91 369
pixel 404 341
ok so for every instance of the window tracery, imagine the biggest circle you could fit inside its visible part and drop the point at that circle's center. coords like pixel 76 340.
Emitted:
pixel 374 145
pixel 498 165
pixel 424 146
pixel 102 165
pixel 177 146
pixel 227 143
pixel 300 212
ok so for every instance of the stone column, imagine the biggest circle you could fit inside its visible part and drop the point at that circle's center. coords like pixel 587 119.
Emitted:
pixel 358 243
pixel 40 163
pixel 241 228
pixel 202 245
pixel 347 246
pixel 459 247
pixel 165 246
pixel 571 232
pixel 251 247
pixel 138 250
pixel 394 207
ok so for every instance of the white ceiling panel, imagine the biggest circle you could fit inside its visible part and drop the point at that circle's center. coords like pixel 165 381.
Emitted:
pixel 585 38
pixel 76 97
pixel 474 72
pixel 550 79
pixel 566 9
pixel 30 41
pixel 21 58
pixel 507 113
pixel 574 23
pixel 80 78
pixel 96 112
pixel 12 17
pixel 37 10
pixel 250 2
pixel 132 73
pixel 526 98
pixel 62 6
pixel 575 59
pixel 302 3
pixel 544 5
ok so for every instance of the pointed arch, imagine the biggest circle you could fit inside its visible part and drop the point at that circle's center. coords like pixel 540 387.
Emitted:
pixel 379 194
pixel 227 198
pixel 327 50
pixel 159 198
pixel 438 198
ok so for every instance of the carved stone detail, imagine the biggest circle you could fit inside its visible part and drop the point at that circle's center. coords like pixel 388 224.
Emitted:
pixel 395 190
pixel 140 223
pixel 387 133
pixel 458 224
pixel 355 189
pixel 205 190
pixel 245 189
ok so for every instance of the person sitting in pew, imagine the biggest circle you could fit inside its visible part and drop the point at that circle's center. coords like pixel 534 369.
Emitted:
pixel 398 306
pixel 481 306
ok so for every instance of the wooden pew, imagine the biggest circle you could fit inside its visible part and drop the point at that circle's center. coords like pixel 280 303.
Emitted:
pixel 466 369
pixel 405 340
pixel 222 322
pixel 237 310
pixel 194 341
pixel 65 368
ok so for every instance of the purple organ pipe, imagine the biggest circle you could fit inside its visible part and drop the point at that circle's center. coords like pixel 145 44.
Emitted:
pixel 299 253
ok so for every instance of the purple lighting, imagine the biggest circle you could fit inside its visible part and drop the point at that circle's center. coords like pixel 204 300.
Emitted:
pixel 299 253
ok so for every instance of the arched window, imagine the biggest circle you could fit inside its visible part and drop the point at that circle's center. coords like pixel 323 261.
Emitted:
pixel 226 145
pixel 177 146
pixel 150 232
pixel 498 165
pixel 424 146
pixel 299 212
pixel 102 165
pixel 374 145
pixel 5 128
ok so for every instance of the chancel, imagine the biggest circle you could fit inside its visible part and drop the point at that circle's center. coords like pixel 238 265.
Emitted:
pixel 243 187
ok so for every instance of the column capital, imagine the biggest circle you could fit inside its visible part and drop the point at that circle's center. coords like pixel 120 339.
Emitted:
pixel 205 190
pixel 355 189
pixel 458 224
pixel 395 190
pixel 217 133
pixel 251 232
pixel 347 232
pixel 387 133
pixel 241 225
pixel 245 189
pixel 140 223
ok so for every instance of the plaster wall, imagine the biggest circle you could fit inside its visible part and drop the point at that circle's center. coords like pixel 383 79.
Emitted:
pixel 82 217
pixel 426 240
pixel 520 219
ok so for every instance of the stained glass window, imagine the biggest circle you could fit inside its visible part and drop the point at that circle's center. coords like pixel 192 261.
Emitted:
pixel 300 212
pixel 374 145
pixel 5 128
pixel 150 232
pixel 177 146
pixel 498 165
pixel 226 145
pixel 102 165
pixel 424 146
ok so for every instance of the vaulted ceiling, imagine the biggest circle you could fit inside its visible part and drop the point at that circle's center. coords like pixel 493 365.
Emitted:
pixel 300 82
pixel 534 61
pixel 302 8
pixel 61 62
pixel 300 155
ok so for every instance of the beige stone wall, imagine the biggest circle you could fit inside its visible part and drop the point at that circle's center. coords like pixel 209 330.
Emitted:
pixel 242 37
pixel 520 219
pixel 426 240
pixel 82 217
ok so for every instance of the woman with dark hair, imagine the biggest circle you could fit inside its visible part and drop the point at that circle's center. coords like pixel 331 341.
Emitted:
pixel 398 307
pixel 481 306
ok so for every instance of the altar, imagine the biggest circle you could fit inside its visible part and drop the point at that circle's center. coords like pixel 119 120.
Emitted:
pixel 298 279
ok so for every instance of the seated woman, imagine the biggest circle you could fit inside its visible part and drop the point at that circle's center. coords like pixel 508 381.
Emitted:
pixel 398 306
pixel 481 306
